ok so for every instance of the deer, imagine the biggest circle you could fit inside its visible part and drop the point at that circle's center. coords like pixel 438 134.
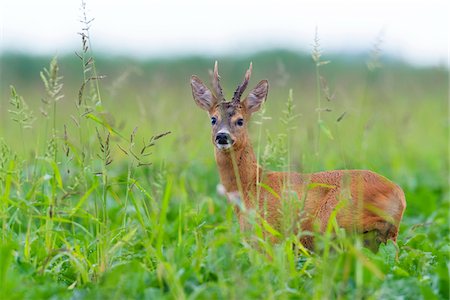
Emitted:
pixel 372 203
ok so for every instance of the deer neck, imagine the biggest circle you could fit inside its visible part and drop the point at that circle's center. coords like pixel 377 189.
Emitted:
pixel 238 169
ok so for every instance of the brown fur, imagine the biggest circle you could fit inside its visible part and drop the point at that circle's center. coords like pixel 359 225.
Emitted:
pixel 368 201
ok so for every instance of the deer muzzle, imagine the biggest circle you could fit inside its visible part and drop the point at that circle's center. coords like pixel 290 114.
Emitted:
pixel 223 140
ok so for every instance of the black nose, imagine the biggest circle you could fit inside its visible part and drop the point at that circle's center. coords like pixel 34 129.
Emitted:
pixel 223 138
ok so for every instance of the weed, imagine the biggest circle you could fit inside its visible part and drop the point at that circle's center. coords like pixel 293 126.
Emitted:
pixel 99 213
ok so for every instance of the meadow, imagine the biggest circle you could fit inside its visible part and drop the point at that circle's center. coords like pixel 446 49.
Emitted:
pixel 108 179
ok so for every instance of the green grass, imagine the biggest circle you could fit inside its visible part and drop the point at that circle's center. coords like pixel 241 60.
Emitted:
pixel 91 209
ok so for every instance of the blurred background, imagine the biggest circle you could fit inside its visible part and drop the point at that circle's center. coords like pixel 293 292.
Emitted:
pixel 413 31
pixel 87 207
pixel 386 80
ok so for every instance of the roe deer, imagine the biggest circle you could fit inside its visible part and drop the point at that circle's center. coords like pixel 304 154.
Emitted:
pixel 373 203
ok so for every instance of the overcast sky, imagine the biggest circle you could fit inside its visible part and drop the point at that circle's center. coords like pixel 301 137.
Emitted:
pixel 416 31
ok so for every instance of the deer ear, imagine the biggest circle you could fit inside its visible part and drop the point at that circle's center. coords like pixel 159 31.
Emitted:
pixel 202 95
pixel 257 96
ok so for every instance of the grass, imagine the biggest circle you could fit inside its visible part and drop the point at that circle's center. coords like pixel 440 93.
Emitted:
pixel 97 202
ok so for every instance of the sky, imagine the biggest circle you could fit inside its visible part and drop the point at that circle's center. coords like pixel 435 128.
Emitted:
pixel 411 30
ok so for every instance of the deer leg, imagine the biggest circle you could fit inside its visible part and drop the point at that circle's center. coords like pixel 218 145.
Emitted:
pixel 379 232
pixel 386 227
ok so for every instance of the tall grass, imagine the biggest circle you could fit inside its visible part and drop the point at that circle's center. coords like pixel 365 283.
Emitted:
pixel 91 210
pixel 56 206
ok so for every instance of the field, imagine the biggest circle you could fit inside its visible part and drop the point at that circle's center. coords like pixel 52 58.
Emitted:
pixel 97 202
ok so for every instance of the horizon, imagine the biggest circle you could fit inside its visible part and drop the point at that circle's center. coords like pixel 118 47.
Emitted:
pixel 415 37
pixel 356 56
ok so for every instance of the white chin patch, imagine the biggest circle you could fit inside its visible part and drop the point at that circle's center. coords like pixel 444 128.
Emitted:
pixel 223 146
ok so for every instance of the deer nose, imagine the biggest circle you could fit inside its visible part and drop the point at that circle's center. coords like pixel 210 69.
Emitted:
pixel 223 138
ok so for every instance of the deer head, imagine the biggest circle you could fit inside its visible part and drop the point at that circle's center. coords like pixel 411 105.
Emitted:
pixel 229 119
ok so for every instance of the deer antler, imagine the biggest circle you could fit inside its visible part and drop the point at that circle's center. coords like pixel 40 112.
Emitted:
pixel 241 88
pixel 216 84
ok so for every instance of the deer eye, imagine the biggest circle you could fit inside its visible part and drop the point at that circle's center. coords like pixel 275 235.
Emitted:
pixel 213 121
pixel 240 122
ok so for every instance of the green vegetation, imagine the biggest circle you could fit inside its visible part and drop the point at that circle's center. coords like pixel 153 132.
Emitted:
pixel 97 203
